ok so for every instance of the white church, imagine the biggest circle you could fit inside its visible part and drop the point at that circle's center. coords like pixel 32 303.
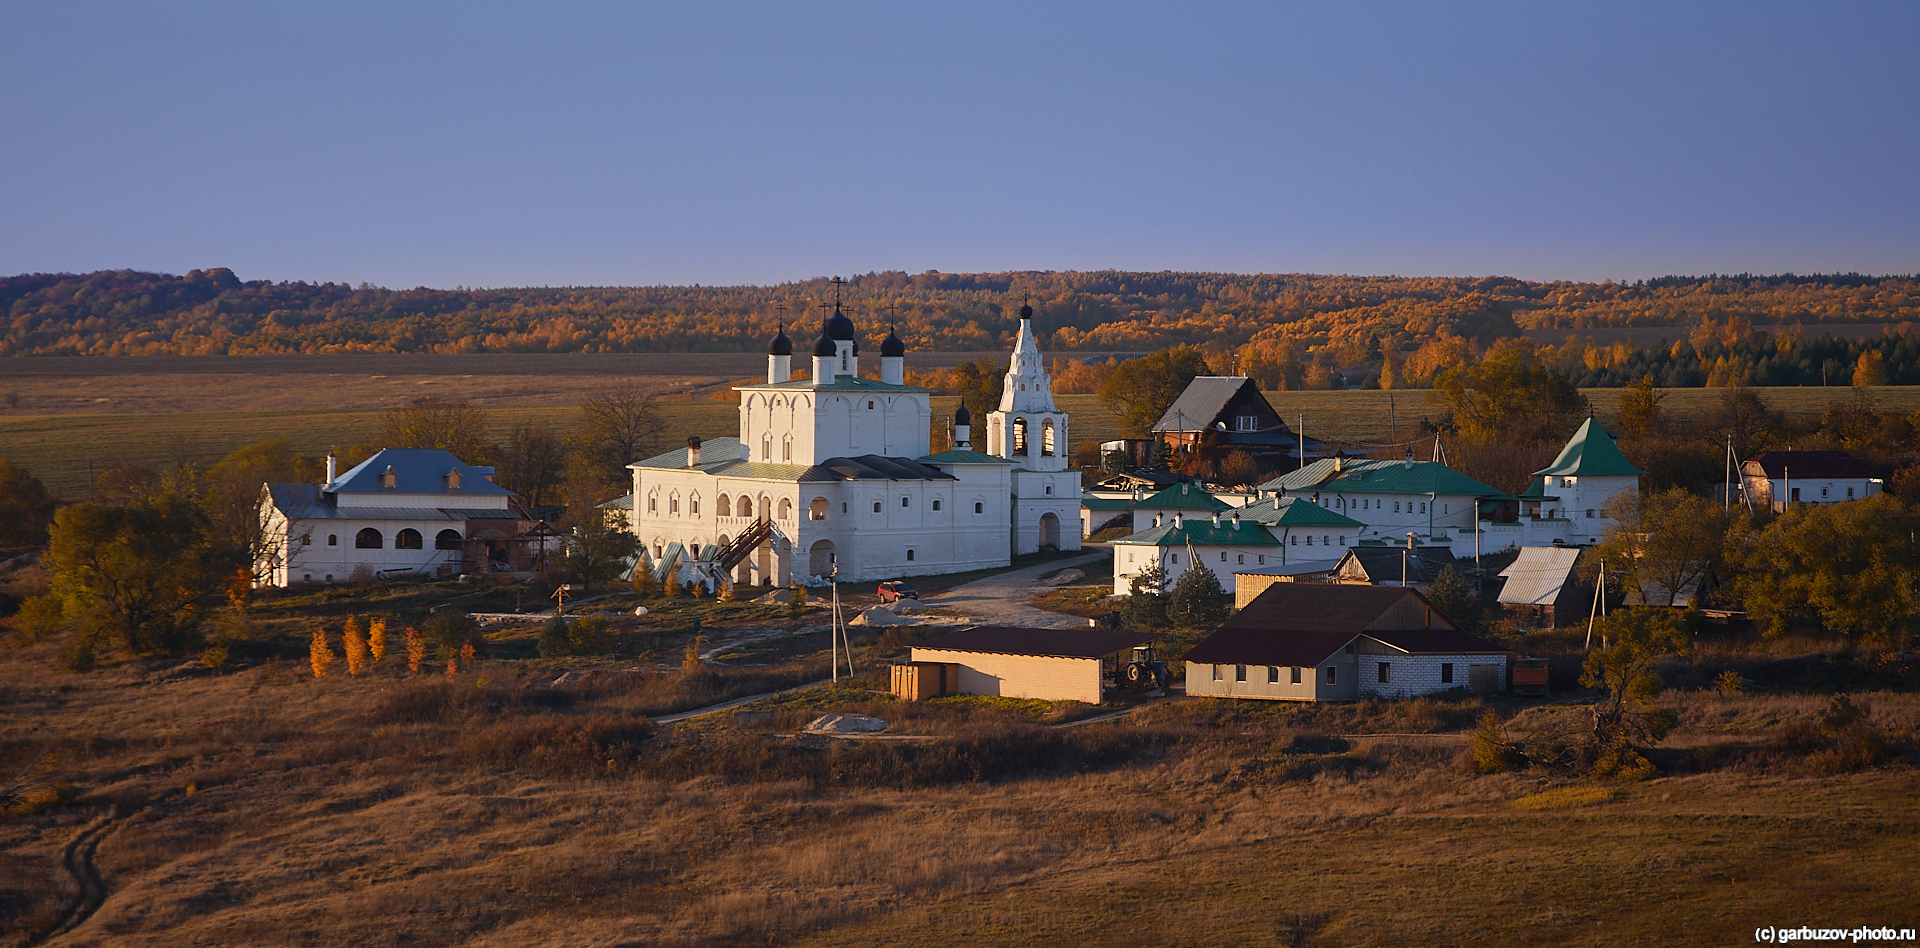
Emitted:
pixel 835 471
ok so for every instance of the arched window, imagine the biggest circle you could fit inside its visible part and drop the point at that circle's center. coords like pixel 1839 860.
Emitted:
pixel 723 507
pixel 447 540
pixel 876 506
pixel 766 507
pixel 766 447
pixel 407 539
pixel 979 507
pixel 1326 541
pixel 1046 438
pixel 333 539
pixel 816 510
pixel 786 508
pixel 368 539
pixel 693 505
pixel 936 503
pixel 786 449
pixel 906 502
pixel 1020 437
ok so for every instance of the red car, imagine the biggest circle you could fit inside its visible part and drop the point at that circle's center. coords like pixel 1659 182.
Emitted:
pixel 895 591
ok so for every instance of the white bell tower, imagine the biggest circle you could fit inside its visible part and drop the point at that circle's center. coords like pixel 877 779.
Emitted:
pixel 1028 428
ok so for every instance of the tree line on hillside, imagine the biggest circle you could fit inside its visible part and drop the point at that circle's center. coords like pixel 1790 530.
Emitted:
pixel 1291 331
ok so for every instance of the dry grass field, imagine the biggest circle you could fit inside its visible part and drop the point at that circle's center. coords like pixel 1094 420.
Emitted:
pixel 62 449
pixel 257 805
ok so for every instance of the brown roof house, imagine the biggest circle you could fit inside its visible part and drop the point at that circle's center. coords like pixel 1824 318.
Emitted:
pixel 1338 642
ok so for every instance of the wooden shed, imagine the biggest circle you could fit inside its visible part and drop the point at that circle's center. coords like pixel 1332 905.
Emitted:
pixel 1013 662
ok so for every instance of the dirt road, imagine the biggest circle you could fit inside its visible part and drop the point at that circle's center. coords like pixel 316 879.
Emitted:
pixel 1004 599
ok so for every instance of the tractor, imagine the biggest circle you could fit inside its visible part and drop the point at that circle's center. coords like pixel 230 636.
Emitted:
pixel 1146 670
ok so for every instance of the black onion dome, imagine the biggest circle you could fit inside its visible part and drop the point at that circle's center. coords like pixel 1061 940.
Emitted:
pixel 825 346
pixel 838 326
pixel 782 346
pixel 963 416
pixel 892 346
pixel 1026 312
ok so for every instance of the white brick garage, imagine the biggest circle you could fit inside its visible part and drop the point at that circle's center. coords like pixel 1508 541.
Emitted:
pixel 1408 675
pixel 1013 662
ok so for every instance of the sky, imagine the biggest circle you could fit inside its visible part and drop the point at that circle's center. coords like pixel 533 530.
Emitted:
pixel 553 144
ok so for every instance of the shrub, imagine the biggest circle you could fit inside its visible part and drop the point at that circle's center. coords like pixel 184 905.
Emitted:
pixel 355 643
pixel 416 649
pixel 319 653
pixel 1491 752
pixel 213 656
pixel 450 630
pixel 553 642
pixel 377 638
pixel 1730 682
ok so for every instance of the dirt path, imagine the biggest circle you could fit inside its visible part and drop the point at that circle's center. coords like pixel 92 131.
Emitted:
pixel 1003 599
pixel 90 889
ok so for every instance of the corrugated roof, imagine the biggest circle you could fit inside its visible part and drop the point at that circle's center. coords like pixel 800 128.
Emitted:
pixel 1301 624
pixel 1298 568
pixel 1052 643
pixel 618 503
pixel 1289 512
pixel 418 471
pixel 1805 464
pixel 1182 497
pixel 1590 453
pixel 1201 402
pixel 1361 476
pixel 1202 532
pixel 1539 576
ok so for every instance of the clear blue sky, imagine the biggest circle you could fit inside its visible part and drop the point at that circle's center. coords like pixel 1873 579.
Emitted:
pixel 490 144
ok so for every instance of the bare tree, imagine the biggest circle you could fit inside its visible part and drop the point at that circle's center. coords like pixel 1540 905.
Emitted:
pixel 432 422
pixel 622 426
pixel 532 464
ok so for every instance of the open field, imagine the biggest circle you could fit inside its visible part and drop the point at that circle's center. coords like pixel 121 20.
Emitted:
pixel 62 449
pixel 257 805
pixel 143 385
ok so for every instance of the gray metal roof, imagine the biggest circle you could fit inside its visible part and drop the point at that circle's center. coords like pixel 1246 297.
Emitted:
pixel 308 502
pixel 1539 576
pixel 1201 402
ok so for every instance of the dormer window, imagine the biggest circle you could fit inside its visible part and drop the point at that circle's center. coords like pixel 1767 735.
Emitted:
pixel 389 479
pixel 453 480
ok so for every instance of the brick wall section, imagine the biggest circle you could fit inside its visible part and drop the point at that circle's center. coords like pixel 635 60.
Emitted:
pixel 1411 675
pixel 1021 676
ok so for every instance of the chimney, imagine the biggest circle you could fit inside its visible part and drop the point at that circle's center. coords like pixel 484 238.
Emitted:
pixel 1156 519
pixel 1408 464
pixel 1179 519
pixel 1236 520
pixel 333 469
pixel 1216 518
pixel 693 451
pixel 1340 464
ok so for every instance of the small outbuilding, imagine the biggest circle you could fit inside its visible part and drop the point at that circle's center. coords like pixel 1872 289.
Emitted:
pixel 1543 585
pixel 1337 642
pixel 1416 566
pixel 1013 662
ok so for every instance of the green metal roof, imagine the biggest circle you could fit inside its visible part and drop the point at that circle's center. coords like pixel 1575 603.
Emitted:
pixel 962 457
pixel 1182 497
pixel 722 456
pixel 1591 453
pixel 1359 476
pixel 1294 512
pixel 1201 532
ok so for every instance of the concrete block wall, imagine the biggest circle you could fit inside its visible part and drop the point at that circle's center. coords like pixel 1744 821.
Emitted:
pixel 1410 675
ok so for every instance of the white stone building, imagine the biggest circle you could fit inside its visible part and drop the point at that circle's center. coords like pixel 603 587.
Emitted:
pixel 835 469
pixel 404 511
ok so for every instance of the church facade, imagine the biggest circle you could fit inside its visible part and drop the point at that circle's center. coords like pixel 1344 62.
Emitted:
pixel 834 471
